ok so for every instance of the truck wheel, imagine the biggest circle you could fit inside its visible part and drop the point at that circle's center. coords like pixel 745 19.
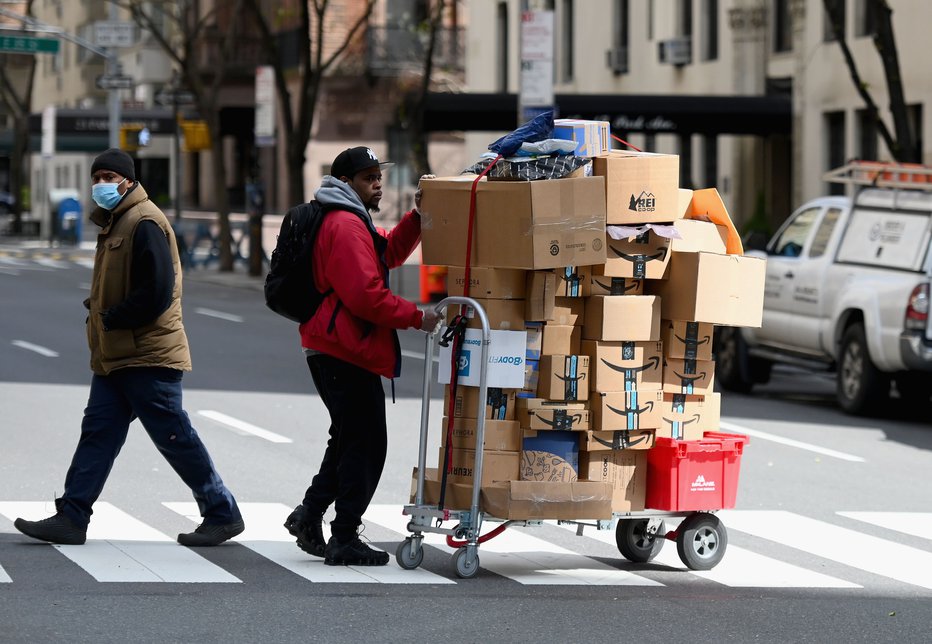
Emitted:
pixel 731 361
pixel 861 387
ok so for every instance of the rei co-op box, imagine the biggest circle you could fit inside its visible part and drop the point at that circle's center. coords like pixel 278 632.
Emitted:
pixel 713 288
pixel 640 187
pixel 518 224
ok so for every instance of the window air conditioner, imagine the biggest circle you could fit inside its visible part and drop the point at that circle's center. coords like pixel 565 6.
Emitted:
pixel 617 60
pixel 676 51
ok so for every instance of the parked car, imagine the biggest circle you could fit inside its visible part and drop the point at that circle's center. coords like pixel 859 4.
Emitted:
pixel 847 289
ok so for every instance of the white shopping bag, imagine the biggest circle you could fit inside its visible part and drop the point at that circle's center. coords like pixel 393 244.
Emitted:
pixel 506 359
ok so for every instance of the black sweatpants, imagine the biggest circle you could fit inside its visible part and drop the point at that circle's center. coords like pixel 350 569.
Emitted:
pixel 355 454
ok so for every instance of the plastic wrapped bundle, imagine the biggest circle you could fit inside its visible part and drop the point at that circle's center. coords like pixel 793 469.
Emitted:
pixel 529 168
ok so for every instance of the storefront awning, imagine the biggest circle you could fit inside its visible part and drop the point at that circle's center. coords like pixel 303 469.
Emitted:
pixel 658 114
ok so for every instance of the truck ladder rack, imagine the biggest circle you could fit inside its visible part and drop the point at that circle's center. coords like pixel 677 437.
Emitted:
pixel 882 174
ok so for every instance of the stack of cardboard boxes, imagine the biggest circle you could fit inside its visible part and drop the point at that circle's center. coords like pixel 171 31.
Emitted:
pixel 617 280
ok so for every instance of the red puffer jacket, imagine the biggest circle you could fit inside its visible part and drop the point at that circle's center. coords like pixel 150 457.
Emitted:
pixel 357 321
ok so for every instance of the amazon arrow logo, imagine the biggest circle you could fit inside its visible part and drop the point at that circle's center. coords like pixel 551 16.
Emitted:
pixel 619 285
pixel 677 426
pixel 639 262
pixel 561 420
pixel 692 344
pixel 688 382
pixel 632 414
pixel 630 373
pixel 621 440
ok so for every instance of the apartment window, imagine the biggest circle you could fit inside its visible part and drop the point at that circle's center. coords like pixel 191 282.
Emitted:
pixel 501 26
pixel 686 18
pixel 865 16
pixel 650 142
pixel 566 40
pixel 867 135
pixel 618 59
pixel 835 146
pixel 710 30
pixel 839 11
pixel 686 161
pixel 782 26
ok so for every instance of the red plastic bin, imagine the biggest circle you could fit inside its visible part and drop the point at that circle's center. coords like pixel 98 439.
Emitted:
pixel 694 475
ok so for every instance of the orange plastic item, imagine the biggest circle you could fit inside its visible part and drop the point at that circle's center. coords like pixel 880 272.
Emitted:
pixel 707 205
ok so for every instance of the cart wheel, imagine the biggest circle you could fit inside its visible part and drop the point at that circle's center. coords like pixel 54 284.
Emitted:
pixel 466 566
pixel 635 543
pixel 701 541
pixel 407 557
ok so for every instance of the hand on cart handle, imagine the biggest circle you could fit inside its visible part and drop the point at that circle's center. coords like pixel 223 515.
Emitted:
pixel 431 319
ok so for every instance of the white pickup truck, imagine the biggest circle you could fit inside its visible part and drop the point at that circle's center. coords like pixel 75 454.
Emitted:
pixel 847 289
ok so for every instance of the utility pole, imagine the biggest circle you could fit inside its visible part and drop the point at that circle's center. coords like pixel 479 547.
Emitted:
pixel 113 70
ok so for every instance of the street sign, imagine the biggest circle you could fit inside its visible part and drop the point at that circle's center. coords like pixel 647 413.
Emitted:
pixel 21 44
pixel 115 82
pixel 168 96
pixel 112 33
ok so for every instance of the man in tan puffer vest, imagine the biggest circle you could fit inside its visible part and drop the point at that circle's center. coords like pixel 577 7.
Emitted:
pixel 139 351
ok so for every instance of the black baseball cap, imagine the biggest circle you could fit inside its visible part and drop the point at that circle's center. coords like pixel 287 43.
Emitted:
pixel 352 160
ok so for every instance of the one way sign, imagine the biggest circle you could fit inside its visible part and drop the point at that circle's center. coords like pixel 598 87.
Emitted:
pixel 115 82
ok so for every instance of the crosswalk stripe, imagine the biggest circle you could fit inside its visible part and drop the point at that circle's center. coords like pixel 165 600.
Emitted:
pixel 522 557
pixel 739 568
pixel 848 547
pixel 266 536
pixel 917 524
pixel 120 548
pixel 4 577
pixel 52 263
pixel 86 263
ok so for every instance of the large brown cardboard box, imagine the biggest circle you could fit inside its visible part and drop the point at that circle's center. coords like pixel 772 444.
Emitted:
pixel 622 318
pixel 524 500
pixel 617 410
pixel 686 376
pixel 623 366
pixel 697 236
pixel 519 224
pixel 687 417
pixel 564 377
pixel 504 315
pixel 458 495
pixel 640 187
pixel 683 339
pixel 625 470
pixel 573 281
pixel 644 256
pixel 541 293
pixel 499 404
pixel 568 311
pixel 496 466
pixel 488 283
pixel 553 339
pixel 602 284
pixel 500 435
pixel 542 414
pixel 620 439
pixel 718 289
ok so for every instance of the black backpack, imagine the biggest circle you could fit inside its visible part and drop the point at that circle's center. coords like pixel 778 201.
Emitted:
pixel 289 285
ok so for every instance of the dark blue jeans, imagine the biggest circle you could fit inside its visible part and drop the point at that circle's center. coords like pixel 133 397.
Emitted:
pixel 352 465
pixel 152 394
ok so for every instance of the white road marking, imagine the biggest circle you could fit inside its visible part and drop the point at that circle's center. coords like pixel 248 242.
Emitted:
pixel 848 547
pixel 86 263
pixel 120 548
pixel 8 271
pixel 4 577
pixel 230 317
pixel 29 346
pixel 266 536
pixel 739 568
pixel 523 557
pixel 52 263
pixel 917 524
pixel 243 426
pixel 741 429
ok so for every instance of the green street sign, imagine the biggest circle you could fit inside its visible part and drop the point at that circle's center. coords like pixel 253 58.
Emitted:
pixel 22 44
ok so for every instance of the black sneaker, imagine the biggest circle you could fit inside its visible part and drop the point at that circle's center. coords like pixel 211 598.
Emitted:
pixel 308 530
pixel 353 553
pixel 55 529
pixel 211 534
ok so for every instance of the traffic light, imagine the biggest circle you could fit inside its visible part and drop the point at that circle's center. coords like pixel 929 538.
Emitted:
pixel 196 135
pixel 134 136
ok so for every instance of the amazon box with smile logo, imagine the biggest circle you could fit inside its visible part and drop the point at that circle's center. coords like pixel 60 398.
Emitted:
pixel 687 376
pixel 636 252
pixel 564 378
pixel 614 318
pixel 640 187
pixel 685 417
pixel 518 224
pixel 540 414
pixel 626 410
pixel 624 366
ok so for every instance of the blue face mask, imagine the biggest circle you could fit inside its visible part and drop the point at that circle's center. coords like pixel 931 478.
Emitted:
pixel 106 195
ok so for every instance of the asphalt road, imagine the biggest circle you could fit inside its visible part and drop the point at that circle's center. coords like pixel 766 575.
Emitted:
pixel 830 539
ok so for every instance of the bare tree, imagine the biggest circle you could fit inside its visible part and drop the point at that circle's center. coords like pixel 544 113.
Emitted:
pixel 902 141
pixel 182 38
pixel 16 82
pixel 419 142
pixel 313 64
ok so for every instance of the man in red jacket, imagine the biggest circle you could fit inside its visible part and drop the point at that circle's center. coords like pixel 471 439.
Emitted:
pixel 350 343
